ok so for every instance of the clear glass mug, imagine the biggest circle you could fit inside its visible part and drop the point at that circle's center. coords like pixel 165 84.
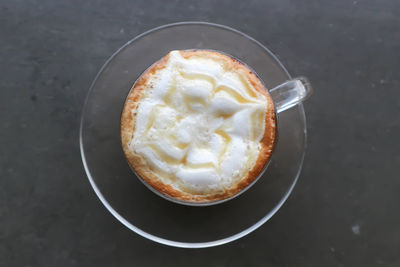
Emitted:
pixel 284 96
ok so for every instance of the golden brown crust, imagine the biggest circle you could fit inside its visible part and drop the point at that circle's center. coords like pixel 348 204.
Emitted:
pixel 137 162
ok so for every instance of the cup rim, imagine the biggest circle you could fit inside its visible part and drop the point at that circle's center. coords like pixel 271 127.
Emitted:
pixel 215 202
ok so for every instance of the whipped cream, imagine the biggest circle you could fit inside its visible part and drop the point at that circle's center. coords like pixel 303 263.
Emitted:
pixel 198 125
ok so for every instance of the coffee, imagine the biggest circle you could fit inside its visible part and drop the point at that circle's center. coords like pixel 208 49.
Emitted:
pixel 198 126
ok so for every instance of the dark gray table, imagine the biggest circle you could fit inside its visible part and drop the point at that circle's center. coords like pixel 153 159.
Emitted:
pixel 344 210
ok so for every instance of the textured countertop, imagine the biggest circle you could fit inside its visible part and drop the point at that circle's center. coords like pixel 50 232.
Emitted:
pixel 344 210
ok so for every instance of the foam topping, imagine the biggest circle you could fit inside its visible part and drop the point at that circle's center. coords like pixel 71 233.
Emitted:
pixel 199 125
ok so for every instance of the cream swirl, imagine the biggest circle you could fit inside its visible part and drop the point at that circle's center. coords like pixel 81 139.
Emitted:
pixel 199 124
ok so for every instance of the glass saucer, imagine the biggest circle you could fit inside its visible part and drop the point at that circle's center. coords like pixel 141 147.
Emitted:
pixel 128 199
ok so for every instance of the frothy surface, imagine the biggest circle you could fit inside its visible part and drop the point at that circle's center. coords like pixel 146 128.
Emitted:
pixel 198 124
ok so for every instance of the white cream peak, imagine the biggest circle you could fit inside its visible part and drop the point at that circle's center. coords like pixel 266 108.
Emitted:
pixel 199 123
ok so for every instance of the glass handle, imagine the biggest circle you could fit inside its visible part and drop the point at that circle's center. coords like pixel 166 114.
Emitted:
pixel 291 93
